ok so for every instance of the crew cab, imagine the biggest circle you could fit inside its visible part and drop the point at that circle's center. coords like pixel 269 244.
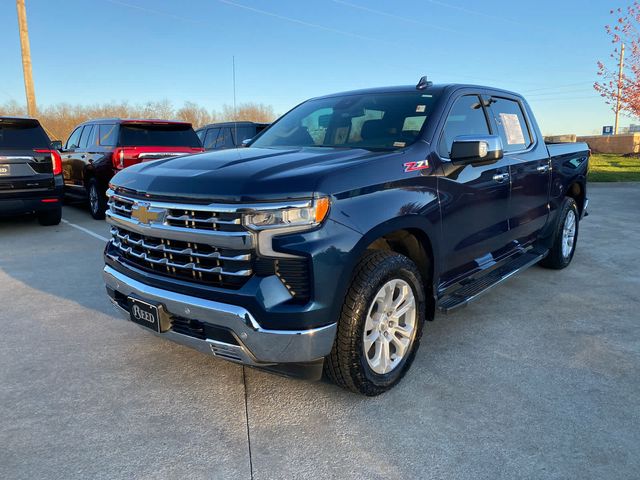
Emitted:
pixel 98 149
pixel 354 218
pixel 30 171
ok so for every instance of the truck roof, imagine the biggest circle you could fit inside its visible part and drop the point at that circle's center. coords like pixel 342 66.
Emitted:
pixel 20 119
pixel 436 88
pixel 134 120
pixel 230 124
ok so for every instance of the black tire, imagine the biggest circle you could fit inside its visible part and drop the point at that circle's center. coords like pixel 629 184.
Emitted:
pixel 97 200
pixel 347 364
pixel 557 259
pixel 50 217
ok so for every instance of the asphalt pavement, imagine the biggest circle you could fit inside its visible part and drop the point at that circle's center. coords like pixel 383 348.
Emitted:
pixel 540 378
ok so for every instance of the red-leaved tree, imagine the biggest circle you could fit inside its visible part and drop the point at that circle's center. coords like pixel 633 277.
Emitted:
pixel 624 31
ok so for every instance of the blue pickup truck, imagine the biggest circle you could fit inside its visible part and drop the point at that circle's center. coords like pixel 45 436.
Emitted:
pixel 348 223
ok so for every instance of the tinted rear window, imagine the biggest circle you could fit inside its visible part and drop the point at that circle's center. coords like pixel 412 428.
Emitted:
pixel 22 134
pixel 158 135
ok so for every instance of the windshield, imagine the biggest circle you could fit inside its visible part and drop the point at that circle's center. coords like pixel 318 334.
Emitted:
pixel 383 121
pixel 158 135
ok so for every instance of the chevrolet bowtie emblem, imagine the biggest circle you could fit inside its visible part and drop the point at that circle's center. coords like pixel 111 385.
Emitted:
pixel 144 213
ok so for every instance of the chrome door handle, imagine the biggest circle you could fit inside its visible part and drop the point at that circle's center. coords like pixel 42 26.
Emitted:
pixel 500 177
pixel 543 168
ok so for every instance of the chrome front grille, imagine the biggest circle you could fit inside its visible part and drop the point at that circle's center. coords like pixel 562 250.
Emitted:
pixel 204 244
pixel 185 216
pixel 196 243
pixel 121 206
pixel 196 262
pixel 229 222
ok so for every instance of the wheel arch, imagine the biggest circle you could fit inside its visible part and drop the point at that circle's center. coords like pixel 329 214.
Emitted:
pixel 409 236
pixel 577 191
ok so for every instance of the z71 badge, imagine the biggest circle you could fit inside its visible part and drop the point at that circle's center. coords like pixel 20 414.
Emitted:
pixel 415 166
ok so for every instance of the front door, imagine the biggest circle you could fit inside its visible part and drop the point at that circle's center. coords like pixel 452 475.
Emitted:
pixel 69 159
pixel 474 199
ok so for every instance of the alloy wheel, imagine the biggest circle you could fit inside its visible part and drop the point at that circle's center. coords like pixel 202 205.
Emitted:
pixel 568 234
pixel 390 326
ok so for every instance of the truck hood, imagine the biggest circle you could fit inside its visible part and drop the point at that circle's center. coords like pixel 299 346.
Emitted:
pixel 241 175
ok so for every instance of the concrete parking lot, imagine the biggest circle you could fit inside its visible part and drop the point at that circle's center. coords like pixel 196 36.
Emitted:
pixel 538 379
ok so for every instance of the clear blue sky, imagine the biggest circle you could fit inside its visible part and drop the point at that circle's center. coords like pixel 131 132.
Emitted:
pixel 93 51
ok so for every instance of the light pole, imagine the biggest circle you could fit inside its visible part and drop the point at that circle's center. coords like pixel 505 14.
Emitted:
pixel 620 68
pixel 26 58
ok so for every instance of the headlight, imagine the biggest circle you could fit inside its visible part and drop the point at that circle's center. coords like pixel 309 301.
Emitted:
pixel 308 214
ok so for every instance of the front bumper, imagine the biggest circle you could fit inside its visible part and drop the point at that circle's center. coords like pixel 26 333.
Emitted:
pixel 253 344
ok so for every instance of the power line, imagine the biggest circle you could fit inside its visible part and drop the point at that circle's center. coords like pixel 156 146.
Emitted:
pixel 155 12
pixel 569 92
pixel 563 99
pixel 566 85
pixel 473 12
pixel 302 22
pixel 396 17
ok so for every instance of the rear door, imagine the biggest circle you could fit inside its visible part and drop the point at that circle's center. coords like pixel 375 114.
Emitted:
pixel 529 168
pixel 25 157
pixel 474 198
pixel 82 156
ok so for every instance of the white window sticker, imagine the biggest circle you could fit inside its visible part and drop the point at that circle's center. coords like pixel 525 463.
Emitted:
pixel 421 108
pixel 512 128
pixel 413 123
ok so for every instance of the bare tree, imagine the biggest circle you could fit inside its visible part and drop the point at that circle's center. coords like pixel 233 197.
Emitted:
pixel 60 119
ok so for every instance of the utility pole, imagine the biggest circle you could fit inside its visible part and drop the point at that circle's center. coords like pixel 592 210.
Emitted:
pixel 621 66
pixel 26 58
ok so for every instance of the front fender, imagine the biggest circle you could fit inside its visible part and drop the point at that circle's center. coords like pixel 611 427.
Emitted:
pixel 383 212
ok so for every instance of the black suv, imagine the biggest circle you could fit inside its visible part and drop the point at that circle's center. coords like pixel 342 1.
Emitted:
pixel 219 136
pixel 30 171
pixel 98 149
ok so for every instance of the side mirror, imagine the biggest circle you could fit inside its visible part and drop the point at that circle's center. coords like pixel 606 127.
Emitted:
pixel 56 145
pixel 246 142
pixel 469 149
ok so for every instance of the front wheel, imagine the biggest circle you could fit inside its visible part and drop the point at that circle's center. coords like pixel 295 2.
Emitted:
pixel 97 200
pixel 380 325
pixel 565 237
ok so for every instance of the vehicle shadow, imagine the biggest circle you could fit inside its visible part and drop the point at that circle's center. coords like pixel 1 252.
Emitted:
pixel 56 260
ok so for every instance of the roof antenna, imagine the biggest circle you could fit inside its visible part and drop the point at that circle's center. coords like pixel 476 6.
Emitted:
pixel 423 83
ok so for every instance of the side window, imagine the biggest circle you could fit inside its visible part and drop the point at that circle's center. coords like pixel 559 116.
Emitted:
pixel 227 139
pixel 108 134
pixel 74 139
pixel 210 138
pixel 92 141
pixel 512 125
pixel 465 118
pixel 200 134
pixel 243 134
pixel 86 133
